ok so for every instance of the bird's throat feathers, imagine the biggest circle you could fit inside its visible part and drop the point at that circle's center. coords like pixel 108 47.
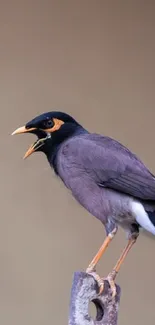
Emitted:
pixel 58 138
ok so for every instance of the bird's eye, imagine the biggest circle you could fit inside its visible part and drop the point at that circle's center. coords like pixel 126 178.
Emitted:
pixel 48 124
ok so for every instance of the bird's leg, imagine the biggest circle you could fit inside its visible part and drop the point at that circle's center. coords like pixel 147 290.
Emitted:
pixel 92 266
pixel 112 275
pixel 108 239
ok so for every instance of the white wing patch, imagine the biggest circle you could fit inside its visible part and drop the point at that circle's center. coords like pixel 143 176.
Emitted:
pixel 142 217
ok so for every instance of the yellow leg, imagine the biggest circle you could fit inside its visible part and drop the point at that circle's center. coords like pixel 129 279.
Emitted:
pixel 124 254
pixel 92 265
pixel 111 277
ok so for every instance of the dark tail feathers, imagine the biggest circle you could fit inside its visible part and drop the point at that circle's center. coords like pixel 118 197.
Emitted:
pixel 151 216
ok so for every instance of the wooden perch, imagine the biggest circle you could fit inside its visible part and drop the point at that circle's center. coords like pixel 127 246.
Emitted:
pixel 84 290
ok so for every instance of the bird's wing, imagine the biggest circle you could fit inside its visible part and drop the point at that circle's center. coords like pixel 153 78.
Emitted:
pixel 112 165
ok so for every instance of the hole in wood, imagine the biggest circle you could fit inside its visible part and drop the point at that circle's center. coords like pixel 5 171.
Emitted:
pixel 96 311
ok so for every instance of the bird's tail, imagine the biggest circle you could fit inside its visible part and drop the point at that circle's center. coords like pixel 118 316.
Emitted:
pixel 151 216
pixel 145 218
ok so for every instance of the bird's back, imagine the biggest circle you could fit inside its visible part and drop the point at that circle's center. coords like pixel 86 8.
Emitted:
pixel 109 163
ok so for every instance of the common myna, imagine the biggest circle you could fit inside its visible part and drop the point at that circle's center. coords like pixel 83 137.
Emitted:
pixel 104 176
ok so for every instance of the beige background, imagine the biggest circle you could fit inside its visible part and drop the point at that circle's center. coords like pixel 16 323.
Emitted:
pixel 95 60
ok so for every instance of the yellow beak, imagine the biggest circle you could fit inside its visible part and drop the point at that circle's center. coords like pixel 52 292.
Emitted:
pixel 29 151
pixel 22 130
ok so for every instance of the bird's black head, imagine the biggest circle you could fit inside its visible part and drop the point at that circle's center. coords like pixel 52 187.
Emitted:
pixel 51 129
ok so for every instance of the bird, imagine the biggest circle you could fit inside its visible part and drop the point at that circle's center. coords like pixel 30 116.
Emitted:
pixel 103 175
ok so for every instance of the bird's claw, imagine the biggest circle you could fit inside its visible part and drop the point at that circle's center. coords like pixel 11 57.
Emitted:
pixel 111 280
pixel 98 279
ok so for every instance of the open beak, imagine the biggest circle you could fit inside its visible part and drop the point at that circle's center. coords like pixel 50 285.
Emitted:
pixel 39 143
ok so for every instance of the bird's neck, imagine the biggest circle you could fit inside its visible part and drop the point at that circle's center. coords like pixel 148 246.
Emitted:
pixel 58 139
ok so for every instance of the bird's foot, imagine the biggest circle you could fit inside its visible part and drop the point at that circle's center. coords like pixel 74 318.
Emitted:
pixel 97 278
pixel 100 281
pixel 111 280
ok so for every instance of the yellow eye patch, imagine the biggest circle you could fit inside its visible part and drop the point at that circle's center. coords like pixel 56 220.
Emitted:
pixel 56 127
